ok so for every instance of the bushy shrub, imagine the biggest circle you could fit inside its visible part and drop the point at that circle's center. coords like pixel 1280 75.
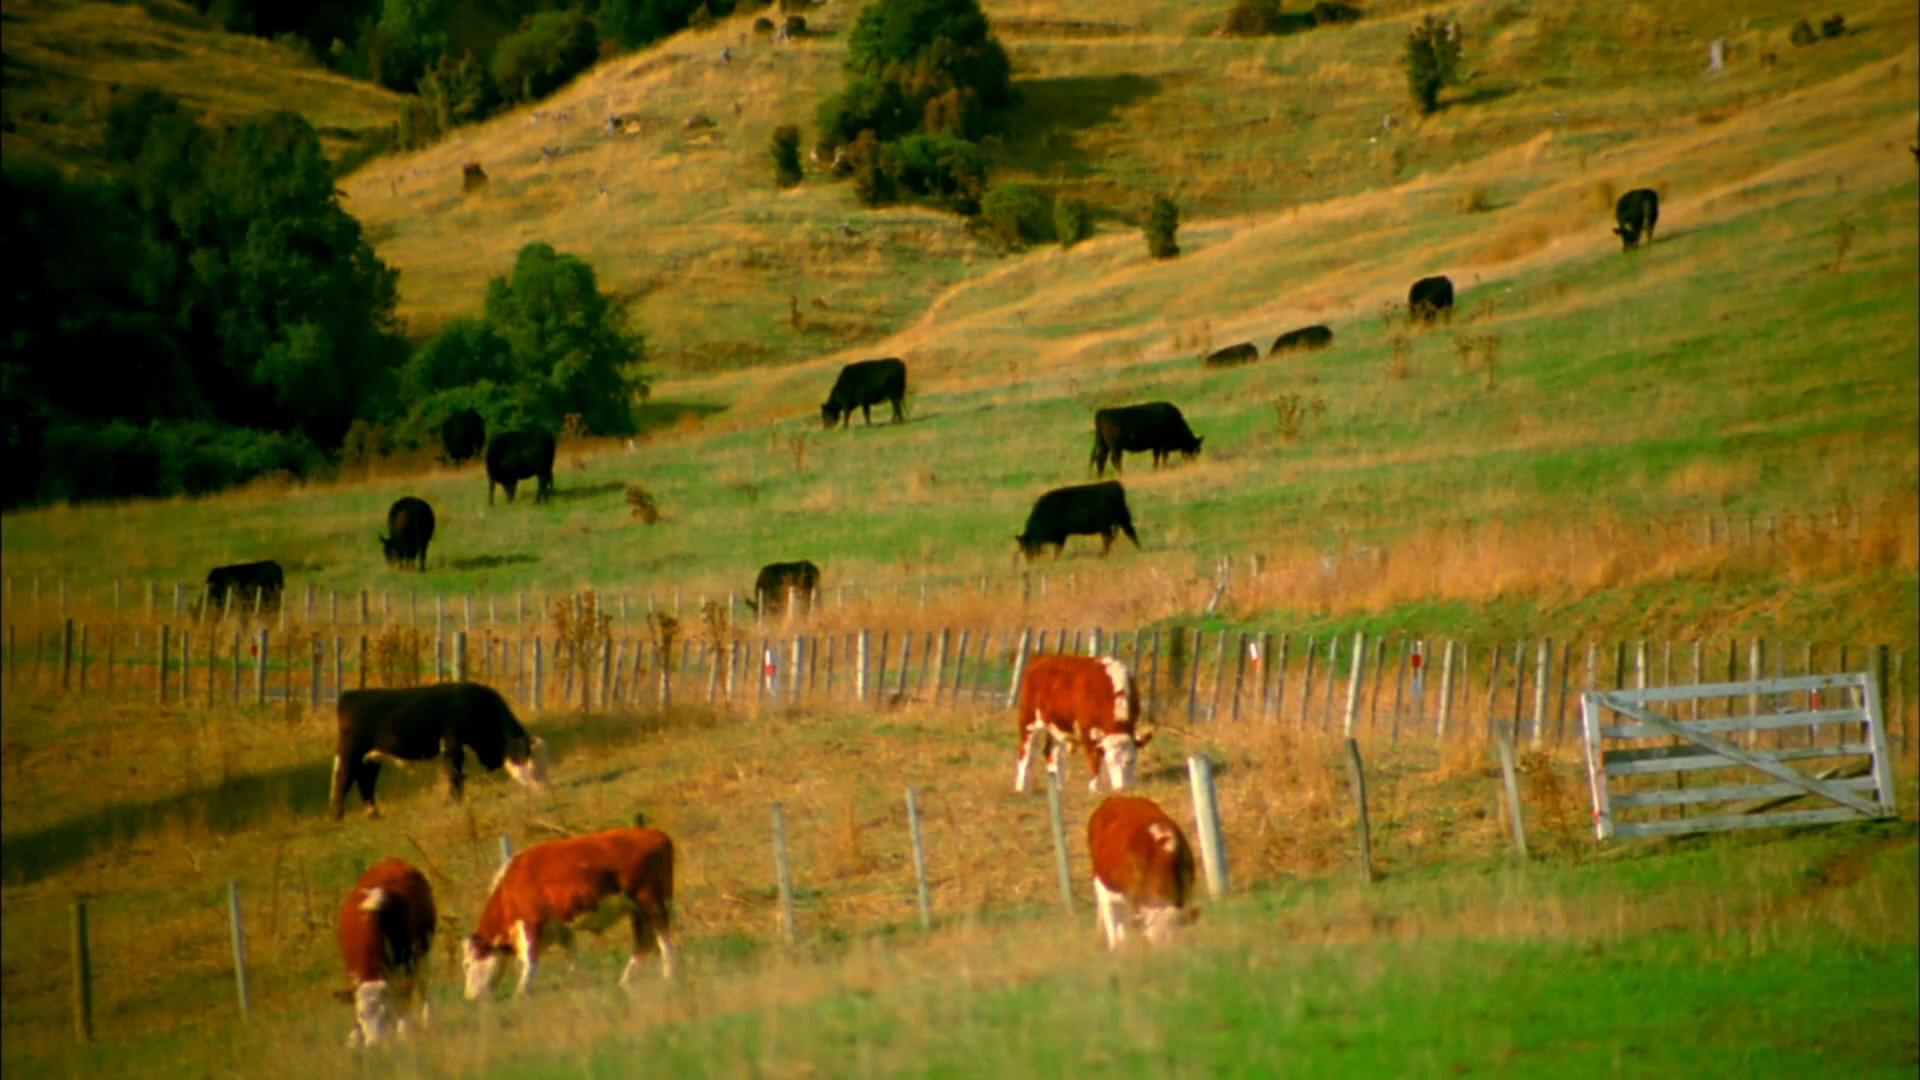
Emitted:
pixel 1833 26
pixel 549 49
pixel 1163 220
pixel 1431 61
pixel 642 22
pixel 1072 220
pixel 1802 34
pixel 1017 214
pixel 1252 18
pixel 871 164
pixel 1331 14
pixel 942 168
pixel 122 460
pixel 785 149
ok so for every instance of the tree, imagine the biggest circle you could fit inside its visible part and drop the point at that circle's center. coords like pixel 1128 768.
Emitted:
pixel 1431 61
pixel 1072 220
pixel 1163 219
pixel 549 49
pixel 902 55
pixel 786 155
pixel 568 342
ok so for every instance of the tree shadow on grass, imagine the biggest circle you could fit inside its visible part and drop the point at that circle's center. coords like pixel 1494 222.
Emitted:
pixel 1038 135
pixel 301 791
pixel 490 562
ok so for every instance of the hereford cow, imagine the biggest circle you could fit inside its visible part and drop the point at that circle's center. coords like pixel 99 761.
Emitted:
pixel 770 588
pixel 409 530
pixel 1305 339
pixel 1429 298
pixel 462 435
pixel 386 938
pixel 520 455
pixel 551 890
pixel 1635 214
pixel 1156 427
pixel 1233 355
pixel 1082 701
pixel 862 385
pixel 423 722
pixel 247 583
pixel 1084 510
pixel 1142 870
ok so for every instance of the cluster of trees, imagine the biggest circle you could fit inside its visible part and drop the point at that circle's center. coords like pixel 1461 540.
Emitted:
pixel 203 311
pixel 463 59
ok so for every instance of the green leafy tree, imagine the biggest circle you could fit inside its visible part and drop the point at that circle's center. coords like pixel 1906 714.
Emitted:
pixel 1072 220
pixel 903 55
pixel 568 341
pixel 785 149
pixel 641 22
pixel 1017 214
pixel 1431 61
pixel 406 40
pixel 549 49
pixel 458 91
pixel 1163 220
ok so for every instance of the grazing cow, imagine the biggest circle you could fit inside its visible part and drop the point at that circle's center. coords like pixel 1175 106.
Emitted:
pixel 247 583
pixel 1429 298
pixel 462 435
pixel 409 530
pixel 862 385
pixel 1305 339
pixel 1083 701
pixel 551 890
pixel 517 456
pixel 423 722
pixel 776 578
pixel 1083 510
pixel 1155 427
pixel 386 938
pixel 1234 355
pixel 1142 870
pixel 1636 213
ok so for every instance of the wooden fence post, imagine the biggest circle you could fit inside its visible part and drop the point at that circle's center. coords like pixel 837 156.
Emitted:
pixel 459 656
pixel 1333 679
pixel 1239 675
pixel 960 665
pixel 940 664
pixel 1505 739
pixel 1306 682
pixel 319 651
pixel 1273 702
pixel 82 976
pixel 165 661
pixel 1445 712
pixel 1359 663
pixel 539 672
pixel 239 941
pixel 260 670
pixel 1019 668
pixel 1059 842
pixel 1359 774
pixel 506 849
pixel 785 876
pixel 1542 687
pixel 919 863
pixel 1206 814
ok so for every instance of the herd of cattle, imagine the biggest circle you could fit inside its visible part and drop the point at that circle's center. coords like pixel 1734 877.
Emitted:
pixel 1143 867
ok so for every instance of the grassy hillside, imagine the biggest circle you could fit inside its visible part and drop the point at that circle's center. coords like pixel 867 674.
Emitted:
pixel 64 57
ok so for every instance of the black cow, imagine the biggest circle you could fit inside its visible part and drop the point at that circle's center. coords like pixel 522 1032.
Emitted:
pixel 462 435
pixel 862 385
pixel 424 722
pixel 1636 212
pixel 1084 510
pixel 247 583
pixel 409 530
pixel 1155 427
pixel 1429 298
pixel 774 581
pixel 1307 339
pixel 517 456
pixel 1244 353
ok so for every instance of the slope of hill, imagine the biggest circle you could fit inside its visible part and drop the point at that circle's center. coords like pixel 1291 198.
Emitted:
pixel 64 57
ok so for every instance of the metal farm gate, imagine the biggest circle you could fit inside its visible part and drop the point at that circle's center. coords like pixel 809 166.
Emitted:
pixel 1635 742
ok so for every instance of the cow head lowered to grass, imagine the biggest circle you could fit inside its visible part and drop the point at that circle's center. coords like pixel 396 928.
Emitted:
pixel 1081 701
pixel 421 723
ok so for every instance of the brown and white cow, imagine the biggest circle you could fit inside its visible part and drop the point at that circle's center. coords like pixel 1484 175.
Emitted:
pixel 1142 870
pixel 1081 701
pixel 386 937
pixel 551 890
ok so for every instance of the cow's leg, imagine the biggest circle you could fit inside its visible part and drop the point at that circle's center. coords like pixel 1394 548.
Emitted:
pixel 524 944
pixel 1106 542
pixel 867 411
pixel 456 758
pixel 899 414
pixel 1033 730
pixel 368 776
pixel 1113 916
pixel 511 486
pixel 1095 755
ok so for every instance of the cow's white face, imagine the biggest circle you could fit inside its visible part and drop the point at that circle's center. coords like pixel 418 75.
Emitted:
pixel 532 770
pixel 483 967
pixel 373 1011
pixel 1159 924
pixel 1120 753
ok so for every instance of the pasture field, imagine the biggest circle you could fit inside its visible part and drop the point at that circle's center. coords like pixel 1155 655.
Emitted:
pixel 1760 954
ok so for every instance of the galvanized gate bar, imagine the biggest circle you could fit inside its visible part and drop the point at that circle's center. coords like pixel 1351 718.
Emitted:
pixel 1734 753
